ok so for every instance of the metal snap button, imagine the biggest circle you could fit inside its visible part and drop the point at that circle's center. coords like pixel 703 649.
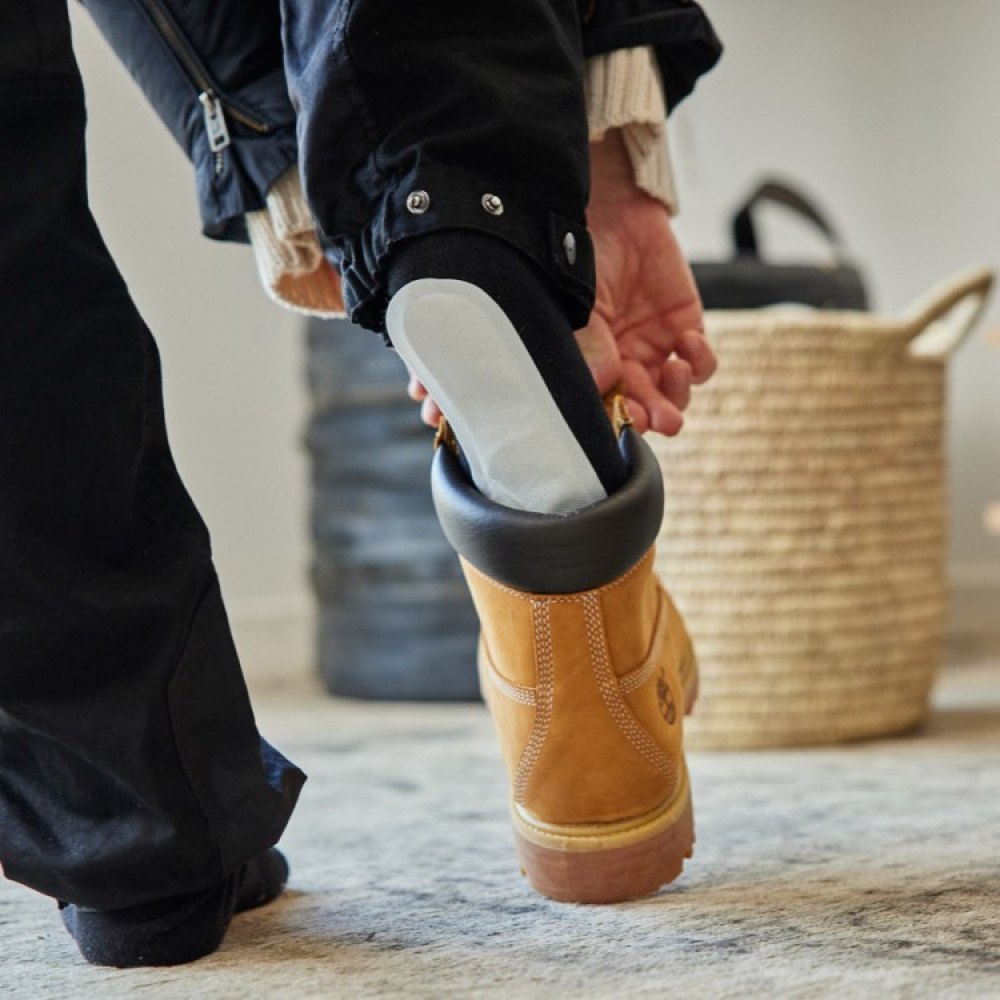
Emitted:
pixel 569 248
pixel 418 202
pixel 493 204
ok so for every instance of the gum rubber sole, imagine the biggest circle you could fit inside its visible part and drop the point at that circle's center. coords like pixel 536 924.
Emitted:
pixel 614 874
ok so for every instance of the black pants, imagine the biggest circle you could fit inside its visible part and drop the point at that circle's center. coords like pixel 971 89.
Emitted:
pixel 130 763
pixel 130 766
pixel 454 101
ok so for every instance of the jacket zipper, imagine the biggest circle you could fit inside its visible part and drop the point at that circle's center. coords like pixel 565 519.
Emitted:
pixel 215 127
pixel 214 109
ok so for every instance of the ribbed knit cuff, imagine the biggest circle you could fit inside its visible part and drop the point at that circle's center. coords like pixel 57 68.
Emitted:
pixel 624 91
pixel 290 261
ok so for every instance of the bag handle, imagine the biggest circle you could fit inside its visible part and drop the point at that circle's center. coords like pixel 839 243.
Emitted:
pixel 745 232
pixel 941 320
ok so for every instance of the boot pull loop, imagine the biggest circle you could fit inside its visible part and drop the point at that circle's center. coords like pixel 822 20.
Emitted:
pixel 617 411
pixel 445 436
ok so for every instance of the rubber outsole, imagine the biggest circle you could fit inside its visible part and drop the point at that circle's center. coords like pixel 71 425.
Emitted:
pixel 614 874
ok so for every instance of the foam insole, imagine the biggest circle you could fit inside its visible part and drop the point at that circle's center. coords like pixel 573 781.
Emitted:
pixel 465 350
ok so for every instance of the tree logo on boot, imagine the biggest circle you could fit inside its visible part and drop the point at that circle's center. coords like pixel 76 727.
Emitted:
pixel 668 708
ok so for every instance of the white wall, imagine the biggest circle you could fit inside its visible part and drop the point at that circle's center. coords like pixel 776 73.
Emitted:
pixel 890 112
pixel 233 361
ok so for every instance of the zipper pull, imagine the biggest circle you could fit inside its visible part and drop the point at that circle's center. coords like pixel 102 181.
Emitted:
pixel 215 121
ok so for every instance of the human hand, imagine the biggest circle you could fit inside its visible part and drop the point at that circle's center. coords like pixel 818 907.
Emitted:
pixel 646 330
pixel 430 412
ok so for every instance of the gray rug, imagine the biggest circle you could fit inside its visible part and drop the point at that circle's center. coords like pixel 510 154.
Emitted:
pixel 865 871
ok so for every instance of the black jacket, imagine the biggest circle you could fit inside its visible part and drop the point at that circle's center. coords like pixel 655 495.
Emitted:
pixel 214 74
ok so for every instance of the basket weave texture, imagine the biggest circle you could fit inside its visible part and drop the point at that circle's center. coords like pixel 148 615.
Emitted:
pixel 804 532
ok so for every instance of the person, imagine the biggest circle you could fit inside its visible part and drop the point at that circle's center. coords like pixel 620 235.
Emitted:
pixel 443 153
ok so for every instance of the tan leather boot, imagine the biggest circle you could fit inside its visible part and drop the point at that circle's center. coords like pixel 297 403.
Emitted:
pixel 588 671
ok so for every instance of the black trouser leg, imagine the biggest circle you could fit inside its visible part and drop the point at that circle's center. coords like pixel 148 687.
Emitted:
pixel 130 765
pixel 448 139
pixel 451 101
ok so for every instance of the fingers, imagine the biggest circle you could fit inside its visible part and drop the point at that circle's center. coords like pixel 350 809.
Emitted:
pixel 430 413
pixel 675 382
pixel 649 407
pixel 640 418
pixel 415 388
pixel 658 403
pixel 697 352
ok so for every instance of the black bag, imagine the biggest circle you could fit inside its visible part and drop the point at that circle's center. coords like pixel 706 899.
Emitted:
pixel 747 282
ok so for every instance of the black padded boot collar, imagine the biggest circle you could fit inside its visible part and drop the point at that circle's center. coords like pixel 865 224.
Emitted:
pixel 547 553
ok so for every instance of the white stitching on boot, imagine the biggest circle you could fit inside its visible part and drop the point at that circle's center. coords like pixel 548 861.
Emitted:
pixel 634 679
pixel 522 695
pixel 613 700
pixel 544 697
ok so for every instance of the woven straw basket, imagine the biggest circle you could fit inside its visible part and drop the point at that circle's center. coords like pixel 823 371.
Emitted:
pixel 804 535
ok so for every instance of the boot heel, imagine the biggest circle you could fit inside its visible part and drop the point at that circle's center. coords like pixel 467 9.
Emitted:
pixel 606 863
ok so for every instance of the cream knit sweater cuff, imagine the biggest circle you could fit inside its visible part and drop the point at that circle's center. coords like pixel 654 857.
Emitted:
pixel 623 90
pixel 290 261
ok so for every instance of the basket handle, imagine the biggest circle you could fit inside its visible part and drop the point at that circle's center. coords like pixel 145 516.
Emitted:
pixel 939 322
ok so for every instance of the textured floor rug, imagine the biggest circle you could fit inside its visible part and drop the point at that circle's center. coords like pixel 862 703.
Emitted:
pixel 870 870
